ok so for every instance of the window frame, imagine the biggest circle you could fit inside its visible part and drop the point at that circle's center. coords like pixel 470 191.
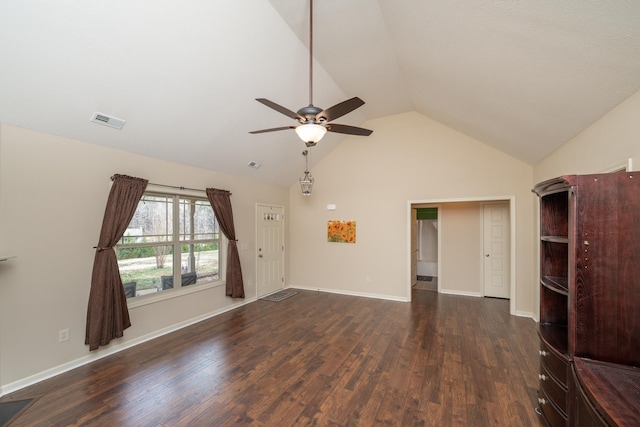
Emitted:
pixel 179 290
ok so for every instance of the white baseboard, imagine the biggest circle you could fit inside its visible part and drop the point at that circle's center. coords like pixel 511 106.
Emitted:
pixel 528 314
pixel 112 349
pixel 461 293
pixel 351 293
pixel 479 295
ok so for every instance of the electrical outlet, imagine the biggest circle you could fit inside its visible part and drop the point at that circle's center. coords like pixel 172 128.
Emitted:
pixel 63 335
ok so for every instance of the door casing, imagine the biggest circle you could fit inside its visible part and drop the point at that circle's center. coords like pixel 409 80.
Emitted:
pixel 512 243
pixel 269 248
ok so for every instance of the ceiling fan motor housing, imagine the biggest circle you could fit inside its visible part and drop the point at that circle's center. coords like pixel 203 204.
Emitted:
pixel 309 113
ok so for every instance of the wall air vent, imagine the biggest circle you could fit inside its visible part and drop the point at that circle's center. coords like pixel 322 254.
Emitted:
pixel 106 120
pixel 254 165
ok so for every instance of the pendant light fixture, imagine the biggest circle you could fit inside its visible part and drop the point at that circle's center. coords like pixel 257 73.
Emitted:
pixel 306 182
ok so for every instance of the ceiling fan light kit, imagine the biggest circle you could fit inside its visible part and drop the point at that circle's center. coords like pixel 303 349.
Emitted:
pixel 314 121
pixel 311 133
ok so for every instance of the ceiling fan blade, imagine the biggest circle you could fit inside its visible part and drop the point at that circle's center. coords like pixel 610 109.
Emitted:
pixel 340 109
pixel 350 130
pixel 272 129
pixel 280 108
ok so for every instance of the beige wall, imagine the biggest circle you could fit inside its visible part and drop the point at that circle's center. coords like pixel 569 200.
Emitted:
pixel 52 197
pixel 607 143
pixel 371 180
pixel 461 260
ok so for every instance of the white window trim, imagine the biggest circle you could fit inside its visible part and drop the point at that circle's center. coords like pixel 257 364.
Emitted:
pixel 143 300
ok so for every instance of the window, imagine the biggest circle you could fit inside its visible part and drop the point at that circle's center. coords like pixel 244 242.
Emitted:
pixel 172 241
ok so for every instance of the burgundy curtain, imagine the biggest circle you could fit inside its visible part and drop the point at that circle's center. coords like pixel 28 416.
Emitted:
pixel 107 313
pixel 221 203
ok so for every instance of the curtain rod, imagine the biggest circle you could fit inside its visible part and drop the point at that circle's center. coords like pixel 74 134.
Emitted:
pixel 176 187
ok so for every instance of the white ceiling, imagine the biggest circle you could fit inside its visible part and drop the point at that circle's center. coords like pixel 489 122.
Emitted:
pixel 523 76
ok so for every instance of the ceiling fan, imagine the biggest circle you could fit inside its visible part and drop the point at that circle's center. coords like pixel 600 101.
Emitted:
pixel 314 121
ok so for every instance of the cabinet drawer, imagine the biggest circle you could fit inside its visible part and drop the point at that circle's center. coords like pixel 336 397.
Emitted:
pixel 554 364
pixel 551 413
pixel 555 392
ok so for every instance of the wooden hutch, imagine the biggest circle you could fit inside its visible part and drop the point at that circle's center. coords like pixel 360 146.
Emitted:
pixel 590 300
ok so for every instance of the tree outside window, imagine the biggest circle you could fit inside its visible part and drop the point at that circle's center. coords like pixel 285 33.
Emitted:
pixel 172 241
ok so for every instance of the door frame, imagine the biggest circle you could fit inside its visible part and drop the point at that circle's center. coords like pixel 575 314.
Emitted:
pixel 257 237
pixel 512 238
pixel 414 246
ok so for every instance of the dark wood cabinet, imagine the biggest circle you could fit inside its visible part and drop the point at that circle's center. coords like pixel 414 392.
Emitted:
pixel 606 394
pixel 585 414
pixel 589 292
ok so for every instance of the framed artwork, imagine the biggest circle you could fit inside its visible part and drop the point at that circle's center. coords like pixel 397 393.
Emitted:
pixel 341 231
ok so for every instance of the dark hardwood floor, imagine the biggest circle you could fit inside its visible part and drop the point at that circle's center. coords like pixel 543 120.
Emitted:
pixel 313 359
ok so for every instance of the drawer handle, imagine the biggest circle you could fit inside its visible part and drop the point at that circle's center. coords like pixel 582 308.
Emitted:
pixel 542 377
pixel 543 353
pixel 542 401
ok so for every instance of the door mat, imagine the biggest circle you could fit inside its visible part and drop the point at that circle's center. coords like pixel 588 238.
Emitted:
pixel 279 296
pixel 9 410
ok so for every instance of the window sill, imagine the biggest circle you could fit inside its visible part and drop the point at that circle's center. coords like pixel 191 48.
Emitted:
pixel 170 294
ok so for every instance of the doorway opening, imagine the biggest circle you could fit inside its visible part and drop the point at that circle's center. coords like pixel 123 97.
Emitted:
pixel 461 258
pixel 426 241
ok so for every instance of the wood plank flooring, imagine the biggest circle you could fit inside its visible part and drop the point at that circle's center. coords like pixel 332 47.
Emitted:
pixel 313 359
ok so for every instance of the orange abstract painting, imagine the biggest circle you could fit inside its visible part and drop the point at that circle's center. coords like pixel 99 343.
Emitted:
pixel 341 231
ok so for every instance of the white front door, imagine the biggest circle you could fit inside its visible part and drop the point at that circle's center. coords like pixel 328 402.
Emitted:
pixel 496 240
pixel 270 250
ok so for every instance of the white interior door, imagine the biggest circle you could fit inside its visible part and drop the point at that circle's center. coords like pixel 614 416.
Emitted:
pixel 496 240
pixel 270 250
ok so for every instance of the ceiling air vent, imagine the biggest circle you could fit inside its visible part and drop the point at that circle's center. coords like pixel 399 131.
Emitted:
pixel 254 165
pixel 106 120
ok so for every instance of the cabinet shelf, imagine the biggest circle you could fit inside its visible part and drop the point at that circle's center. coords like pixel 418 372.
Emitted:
pixel 555 336
pixel 556 284
pixel 554 239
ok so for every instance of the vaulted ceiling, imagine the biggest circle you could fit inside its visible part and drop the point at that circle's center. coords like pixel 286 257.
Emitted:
pixel 522 76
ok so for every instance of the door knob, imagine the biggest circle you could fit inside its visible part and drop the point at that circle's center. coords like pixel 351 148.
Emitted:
pixel 487 255
pixel 260 256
